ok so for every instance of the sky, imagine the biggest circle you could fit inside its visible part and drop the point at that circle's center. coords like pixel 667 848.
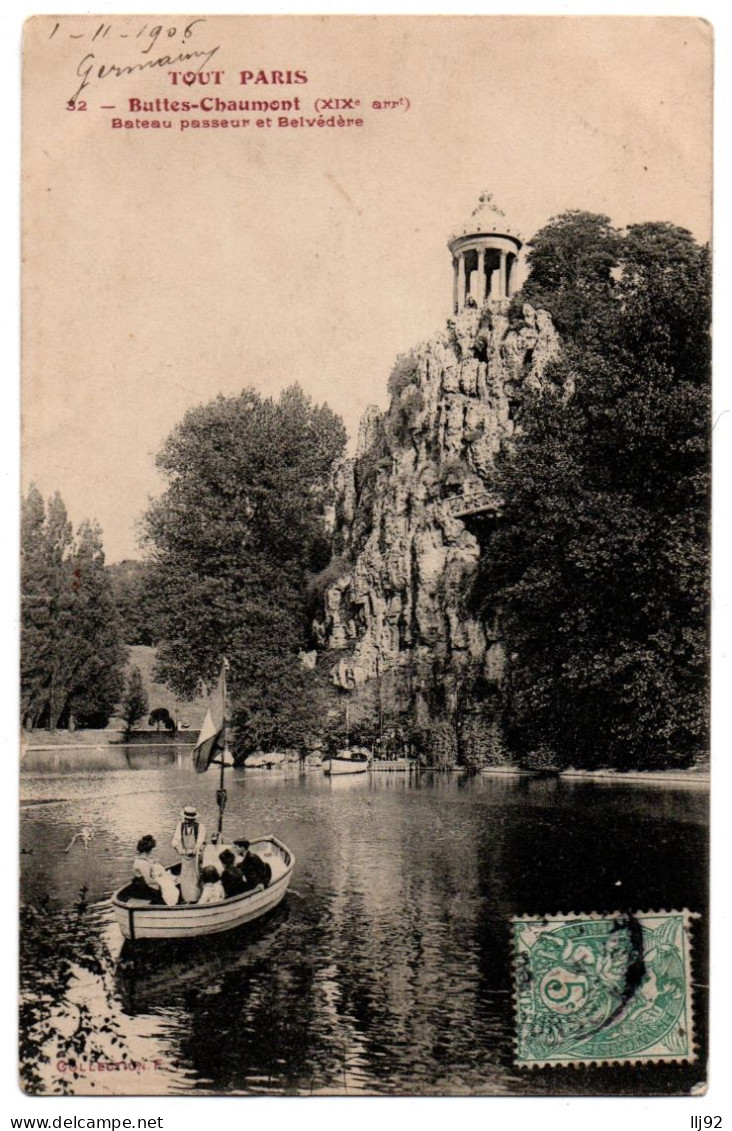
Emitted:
pixel 161 271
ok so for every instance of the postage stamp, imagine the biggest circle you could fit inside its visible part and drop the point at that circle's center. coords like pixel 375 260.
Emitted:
pixel 603 988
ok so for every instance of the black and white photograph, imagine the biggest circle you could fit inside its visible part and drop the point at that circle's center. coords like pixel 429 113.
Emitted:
pixel 365 556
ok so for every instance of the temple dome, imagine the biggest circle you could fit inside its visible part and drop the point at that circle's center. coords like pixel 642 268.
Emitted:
pixel 485 252
pixel 487 218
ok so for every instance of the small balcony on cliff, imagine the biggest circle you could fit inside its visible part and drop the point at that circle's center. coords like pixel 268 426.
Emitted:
pixel 474 503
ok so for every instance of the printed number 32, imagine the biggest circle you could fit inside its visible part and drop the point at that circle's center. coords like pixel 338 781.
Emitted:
pixel 76 105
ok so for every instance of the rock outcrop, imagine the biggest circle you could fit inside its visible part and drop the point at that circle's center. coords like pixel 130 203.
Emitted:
pixel 410 510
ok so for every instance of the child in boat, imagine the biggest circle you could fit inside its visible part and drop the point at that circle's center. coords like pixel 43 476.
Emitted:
pixel 213 889
pixel 231 878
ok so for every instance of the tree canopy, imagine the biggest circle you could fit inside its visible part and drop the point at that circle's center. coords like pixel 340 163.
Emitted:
pixel 573 262
pixel 599 570
pixel 72 654
pixel 233 541
pixel 130 589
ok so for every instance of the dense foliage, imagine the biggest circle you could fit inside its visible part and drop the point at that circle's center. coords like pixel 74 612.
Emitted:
pixel 130 588
pixel 72 655
pixel 574 264
pixel 161 716
pixel 600 567
pixel 57 948
pixel 233 541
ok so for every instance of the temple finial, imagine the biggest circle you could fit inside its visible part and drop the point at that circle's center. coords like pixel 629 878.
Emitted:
pixel 486 204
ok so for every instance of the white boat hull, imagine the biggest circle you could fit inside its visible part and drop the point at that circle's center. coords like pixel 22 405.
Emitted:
pixel 345 766
pixel 187 920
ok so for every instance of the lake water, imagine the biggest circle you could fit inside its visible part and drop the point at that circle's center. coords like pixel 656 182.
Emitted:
pixel 387 968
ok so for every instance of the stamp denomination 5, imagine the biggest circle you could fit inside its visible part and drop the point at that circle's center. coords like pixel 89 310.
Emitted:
pixel 603 988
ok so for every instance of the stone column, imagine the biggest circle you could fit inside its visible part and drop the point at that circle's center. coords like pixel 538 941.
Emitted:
pixel 461 283
pixel 480 289
pixel 502 288
pixel 454 286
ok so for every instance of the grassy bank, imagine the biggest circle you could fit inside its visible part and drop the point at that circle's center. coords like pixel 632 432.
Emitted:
pixel 191 711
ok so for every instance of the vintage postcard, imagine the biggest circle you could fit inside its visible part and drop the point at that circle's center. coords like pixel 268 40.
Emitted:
pixel 365 556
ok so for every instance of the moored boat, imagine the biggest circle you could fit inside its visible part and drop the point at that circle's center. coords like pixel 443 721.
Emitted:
pixel 347 762
pixel 141 919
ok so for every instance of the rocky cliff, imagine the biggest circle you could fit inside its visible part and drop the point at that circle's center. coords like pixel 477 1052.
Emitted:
pixel 413 514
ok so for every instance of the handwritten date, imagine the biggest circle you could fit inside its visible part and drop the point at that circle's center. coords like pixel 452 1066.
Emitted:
pixel 148 34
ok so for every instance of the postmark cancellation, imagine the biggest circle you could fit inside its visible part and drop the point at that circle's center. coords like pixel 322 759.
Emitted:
pixel 603 988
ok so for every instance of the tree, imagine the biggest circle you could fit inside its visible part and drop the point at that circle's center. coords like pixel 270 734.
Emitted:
pixel 135 703
pixel 97 678
pixel 130 588
pixel 233 541
pixel 573 263
pixel 161 715
pixel 46 544
pixel 600 568
pixel 72 655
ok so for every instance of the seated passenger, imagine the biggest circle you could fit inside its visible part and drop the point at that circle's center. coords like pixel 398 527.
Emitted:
pixel 169 885
pixel 231 877
pixel 210 855
pixel 145 876
pixel 213 889
pixel 253 868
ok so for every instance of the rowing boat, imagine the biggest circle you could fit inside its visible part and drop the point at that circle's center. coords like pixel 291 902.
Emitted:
pixel 141 919
pixel 148 919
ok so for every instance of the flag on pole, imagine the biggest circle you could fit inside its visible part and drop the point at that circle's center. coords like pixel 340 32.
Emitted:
pixel 212 736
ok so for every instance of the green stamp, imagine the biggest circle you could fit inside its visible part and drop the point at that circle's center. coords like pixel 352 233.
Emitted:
pixel 603 988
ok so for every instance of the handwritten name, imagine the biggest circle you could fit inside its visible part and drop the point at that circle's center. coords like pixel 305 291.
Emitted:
pixel 89 68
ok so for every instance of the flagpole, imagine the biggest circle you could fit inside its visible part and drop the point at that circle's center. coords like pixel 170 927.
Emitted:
pixel 221 799
pixel 221 791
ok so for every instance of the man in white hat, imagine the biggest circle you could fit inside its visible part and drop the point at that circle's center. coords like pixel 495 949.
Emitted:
pixel 188 841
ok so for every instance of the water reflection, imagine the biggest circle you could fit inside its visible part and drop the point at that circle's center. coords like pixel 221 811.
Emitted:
pixel 388 967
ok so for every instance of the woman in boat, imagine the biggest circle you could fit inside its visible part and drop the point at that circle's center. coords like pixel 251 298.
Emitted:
pixel 188 841
pixel 213 890
pixel 150 880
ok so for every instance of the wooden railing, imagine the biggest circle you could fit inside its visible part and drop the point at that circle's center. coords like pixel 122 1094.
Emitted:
pixel 474 503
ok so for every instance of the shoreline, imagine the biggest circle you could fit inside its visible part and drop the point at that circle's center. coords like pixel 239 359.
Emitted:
pixel 100 743
pixel 693 777
pixel 677 777
pixel 61 747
